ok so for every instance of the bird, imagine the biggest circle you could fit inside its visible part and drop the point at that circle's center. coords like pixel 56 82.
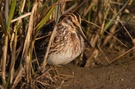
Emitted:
pixel 68 41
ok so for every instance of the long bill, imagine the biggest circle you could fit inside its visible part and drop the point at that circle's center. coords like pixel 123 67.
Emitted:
pixel 79 30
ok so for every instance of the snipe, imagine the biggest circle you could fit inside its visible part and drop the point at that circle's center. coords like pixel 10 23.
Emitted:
pixel 68 41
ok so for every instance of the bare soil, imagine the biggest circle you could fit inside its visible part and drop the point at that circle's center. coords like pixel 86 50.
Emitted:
pixel 118 75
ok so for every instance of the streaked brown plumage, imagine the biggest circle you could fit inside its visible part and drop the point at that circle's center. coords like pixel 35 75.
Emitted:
pixel 68 43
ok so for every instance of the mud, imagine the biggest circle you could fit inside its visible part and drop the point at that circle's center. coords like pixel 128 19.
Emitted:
pixel 118 75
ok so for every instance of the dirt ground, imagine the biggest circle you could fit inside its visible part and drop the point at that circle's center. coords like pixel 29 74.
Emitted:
pixel 118 75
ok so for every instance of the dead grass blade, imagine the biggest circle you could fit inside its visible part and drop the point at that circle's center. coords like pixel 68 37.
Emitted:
pixel 22 16
pixel 26 54
pixel 49 45
pixel 4 58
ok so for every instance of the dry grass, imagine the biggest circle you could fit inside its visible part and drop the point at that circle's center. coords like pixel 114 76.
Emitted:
pixel 21 21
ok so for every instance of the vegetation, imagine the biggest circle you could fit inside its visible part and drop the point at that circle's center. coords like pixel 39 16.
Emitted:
pixel 106 23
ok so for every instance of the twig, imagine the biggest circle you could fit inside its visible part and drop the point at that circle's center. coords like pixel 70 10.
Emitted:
pixel 122 54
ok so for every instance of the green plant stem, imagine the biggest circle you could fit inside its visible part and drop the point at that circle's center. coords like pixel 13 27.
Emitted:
pixel 114 17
